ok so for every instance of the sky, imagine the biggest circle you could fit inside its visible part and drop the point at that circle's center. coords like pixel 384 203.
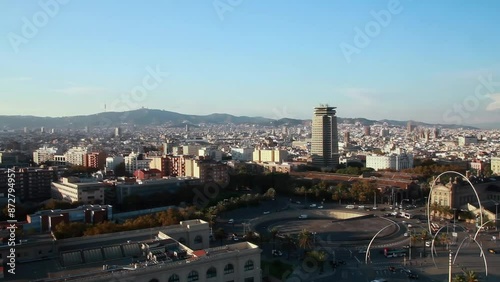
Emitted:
pixel 430 61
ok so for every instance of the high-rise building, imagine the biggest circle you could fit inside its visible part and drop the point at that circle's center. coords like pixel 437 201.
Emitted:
pixel 118 132
pixel 367 130
pixel 324 143
pixel 410 127
pixel 44 154
pixel 76 156
pixel 347 137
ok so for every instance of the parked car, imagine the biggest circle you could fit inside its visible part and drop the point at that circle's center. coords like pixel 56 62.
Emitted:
pixel 266 212
pixel 320 207
pixel 231 221
pixel 303 216
pixel 312 206
pixel 276 253
pixel 492 251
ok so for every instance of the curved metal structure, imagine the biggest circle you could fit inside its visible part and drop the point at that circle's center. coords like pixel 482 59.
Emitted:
pixel 373 239
pixel 481 254
pixel 481 227
pixel 432 244
pixel 430 194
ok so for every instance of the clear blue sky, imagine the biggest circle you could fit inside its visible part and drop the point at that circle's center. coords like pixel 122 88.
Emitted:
pixel 259 58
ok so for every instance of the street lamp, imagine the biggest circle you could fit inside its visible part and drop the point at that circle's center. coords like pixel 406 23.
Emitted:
pixel 454 218
pixel 496 216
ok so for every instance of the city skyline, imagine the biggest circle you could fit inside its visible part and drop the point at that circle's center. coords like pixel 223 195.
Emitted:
pixel 244 58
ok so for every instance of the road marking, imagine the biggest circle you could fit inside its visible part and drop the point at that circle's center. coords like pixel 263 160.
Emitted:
pixel 357 259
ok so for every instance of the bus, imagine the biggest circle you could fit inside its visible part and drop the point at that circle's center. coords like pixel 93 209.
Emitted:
pixel 434 227
pixel 393 253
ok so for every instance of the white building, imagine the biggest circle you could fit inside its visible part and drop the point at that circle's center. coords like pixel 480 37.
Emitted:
pixel 44 154
pixel 72 189
pixel 276 156
pixel 76 156
pixel 466 140
pixel 242 154
pixel 112 162
pixel 133 162
pixel 393 161
pixel 212 153
pixel 190 150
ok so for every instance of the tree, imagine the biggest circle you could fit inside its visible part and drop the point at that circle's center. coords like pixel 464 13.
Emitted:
pixel 220 235
pixel 319 257
pixel 305 240
pixel 467 276
pixel 270 193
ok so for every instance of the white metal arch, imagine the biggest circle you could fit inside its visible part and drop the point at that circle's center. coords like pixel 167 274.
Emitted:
pixel 430 194
pixel 373 239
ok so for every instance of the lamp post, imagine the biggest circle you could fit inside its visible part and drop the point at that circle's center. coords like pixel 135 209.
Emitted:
pixel 496 216
pixel 454 218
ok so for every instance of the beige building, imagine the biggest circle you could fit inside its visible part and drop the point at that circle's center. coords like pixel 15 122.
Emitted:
pixel 276 156
pixel 177 253
pixel 495 165
pixel 72 189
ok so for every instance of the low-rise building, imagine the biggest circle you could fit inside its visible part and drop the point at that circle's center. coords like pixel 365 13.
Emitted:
pixel 74 189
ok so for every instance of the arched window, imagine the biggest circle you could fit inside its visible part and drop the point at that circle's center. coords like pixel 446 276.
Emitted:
pixel 174 278
pixel 193 276
pixel 198 239
pixel 211 272
pixel 182 240
pixel 249 265
pixel 229 268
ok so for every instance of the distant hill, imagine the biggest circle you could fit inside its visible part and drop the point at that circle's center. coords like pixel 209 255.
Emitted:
pixel 161 117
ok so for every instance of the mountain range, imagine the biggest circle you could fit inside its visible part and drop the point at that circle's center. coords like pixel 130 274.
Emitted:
pixel 160 117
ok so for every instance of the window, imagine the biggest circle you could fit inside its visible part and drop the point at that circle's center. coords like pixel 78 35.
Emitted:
pixel 193 276
pixel 174 278
pixel 249 265
pixel 229 268
pixel 211 272
pixel 198 239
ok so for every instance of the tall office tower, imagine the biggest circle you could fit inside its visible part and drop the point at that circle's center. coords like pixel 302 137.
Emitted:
pixel 347 137
pixel 368 130
pixel 410 127
pixel 118 132
pixel 25 130
pixel 435 133
pixel 324 143
pixel 42 129
pixel 86 129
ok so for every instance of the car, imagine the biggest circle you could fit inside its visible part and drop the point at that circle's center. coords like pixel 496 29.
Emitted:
pixel 409 225
pixel 320 207
pixel 266 212
pixel 406 234
pixel 276 253
pixel 303 216
pixel 231 221
pixel 374 208
pixel 235 239
pixel 428 243
pixel 492 251
pixel 412 276
pixel 361 207
pixel 349 207
pixel 379 280
pixel 312 205
pixel 298 202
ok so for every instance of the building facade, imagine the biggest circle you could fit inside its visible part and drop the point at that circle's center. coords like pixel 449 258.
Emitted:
pixel 44 154
pixel 276 156
pixel 324 143
pixel 31 184
pixel 73 189
pixel 393 161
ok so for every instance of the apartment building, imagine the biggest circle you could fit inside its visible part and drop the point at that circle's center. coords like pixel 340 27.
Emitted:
pixel 76 156
pixel 31 184
pixel 276 156
pixel 393 161
pixel 74 189
pixel 44 154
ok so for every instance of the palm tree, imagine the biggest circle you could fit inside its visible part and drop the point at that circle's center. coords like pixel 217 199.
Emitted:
pixel 305 239
pixel 471 276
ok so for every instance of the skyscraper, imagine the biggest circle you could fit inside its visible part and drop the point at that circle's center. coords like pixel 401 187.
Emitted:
pixel 324 143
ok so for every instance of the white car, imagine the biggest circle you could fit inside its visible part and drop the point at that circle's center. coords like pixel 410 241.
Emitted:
pixel 312 206
pixel 320 207
pixel 231 221
pixel 302 216
pixel 406 234
pixel 267 212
